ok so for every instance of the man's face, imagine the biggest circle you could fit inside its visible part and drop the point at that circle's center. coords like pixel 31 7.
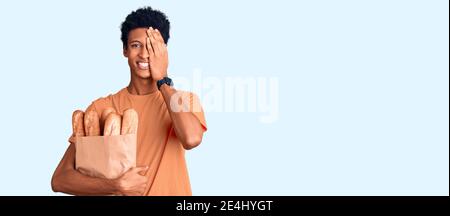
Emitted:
pixel 137 54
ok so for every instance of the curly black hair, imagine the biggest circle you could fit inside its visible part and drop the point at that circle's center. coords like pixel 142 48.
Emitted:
pixel 143 18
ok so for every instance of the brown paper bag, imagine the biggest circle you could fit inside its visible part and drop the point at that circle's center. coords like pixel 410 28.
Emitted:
pixel 105 156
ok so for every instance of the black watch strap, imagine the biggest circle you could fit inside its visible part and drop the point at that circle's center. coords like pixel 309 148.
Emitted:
pixel 165 80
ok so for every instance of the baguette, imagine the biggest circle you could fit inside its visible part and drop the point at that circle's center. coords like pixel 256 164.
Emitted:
pixel 130 122
pixel 105 114
pixel 77 123
pixel 91 123
pixel 112 125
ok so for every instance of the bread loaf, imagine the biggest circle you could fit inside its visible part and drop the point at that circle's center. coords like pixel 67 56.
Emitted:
pixel 78 123
pixel 112 125
pixel 130 122
pixel 91 123
pixel 104 115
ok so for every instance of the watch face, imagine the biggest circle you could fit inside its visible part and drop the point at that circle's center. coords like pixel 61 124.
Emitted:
pixel 165 80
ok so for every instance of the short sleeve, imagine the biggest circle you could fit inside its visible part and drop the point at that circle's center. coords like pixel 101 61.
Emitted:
pixel 197 110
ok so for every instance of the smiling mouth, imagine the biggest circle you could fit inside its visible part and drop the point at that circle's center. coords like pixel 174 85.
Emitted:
pixel 143 65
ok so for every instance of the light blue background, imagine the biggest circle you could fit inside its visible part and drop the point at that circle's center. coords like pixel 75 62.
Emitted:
pixel 364 104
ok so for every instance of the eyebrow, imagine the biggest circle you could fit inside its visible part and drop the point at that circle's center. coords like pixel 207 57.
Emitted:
pixel 133 41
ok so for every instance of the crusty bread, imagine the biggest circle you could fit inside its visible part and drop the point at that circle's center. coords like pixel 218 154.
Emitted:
pixel 105 114
pixel 112 125
pixel 130 122
pixel 91 123
pixel 78 123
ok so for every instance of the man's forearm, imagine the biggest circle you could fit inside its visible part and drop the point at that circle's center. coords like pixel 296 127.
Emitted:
pixel 187 127
pixel 75 183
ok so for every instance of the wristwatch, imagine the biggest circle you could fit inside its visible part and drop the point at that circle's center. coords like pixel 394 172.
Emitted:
pixel 165 80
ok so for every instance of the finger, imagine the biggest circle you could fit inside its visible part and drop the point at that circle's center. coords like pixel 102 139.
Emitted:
pixel 159 36
pixel 144 185
pixel 140 169
pixel 149 31
pixel 149 44
pixel 154 43
pixel 150 50
pixel 137 169
pixel 162 48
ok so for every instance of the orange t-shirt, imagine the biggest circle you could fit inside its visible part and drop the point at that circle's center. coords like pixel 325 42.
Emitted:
pixel 157 144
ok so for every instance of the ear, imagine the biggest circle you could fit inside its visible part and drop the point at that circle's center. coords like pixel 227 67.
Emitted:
pixel 125 52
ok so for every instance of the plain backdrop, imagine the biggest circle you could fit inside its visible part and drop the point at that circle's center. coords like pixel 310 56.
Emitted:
pixel 363 91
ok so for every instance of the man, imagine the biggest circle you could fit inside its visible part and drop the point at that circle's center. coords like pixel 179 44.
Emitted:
pixel 164 131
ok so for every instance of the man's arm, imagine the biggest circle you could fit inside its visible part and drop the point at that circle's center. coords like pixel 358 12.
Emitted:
pixel 68 180
pixel 187 127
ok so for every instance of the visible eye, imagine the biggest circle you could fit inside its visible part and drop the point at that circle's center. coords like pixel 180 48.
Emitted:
pixel 136 45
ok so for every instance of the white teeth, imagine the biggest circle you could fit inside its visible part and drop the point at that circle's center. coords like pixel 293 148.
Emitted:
pixel 141 64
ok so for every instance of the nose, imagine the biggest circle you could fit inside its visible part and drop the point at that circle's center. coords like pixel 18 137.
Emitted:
pixel 143 53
